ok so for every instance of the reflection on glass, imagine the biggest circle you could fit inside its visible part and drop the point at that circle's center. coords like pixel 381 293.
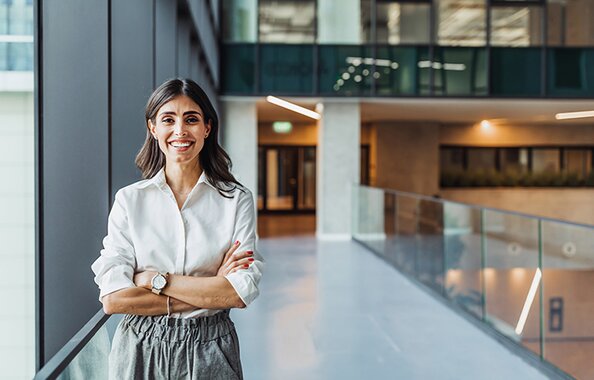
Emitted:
pixel 516 26
pixel 407 222
pixel 403 23
pixel 570 22
pixel 516 71
pixel 461 22
pixel 281 179
pixel 17 202
pixel 481 159
pixel 568 72
pixel 568 272
pixel 286 68
pixel 545 160
pixel 287 21
pixel 16 17
pixel 366 9
pixel 238 67
pixel 338 21
pixel 578 162
pixel 240 19
pixel 92 362
pixel 459 71
pixel 451 159
pixel 306 178
pixel 348 70
pixel 511 266
pixel 430 245
pixel 513 160
pixel 399 71
pixel 462 255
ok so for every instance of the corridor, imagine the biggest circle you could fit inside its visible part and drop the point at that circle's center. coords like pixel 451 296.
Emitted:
pixel 333 310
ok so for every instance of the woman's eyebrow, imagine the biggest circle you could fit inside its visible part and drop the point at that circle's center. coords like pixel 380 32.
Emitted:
pixel 185 113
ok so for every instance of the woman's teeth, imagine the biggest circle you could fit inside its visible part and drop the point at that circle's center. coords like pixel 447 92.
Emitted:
pixel 180 145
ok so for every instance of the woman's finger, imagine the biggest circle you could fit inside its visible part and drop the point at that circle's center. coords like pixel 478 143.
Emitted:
pixel 245 266
pixel 231 251
pixel 241 264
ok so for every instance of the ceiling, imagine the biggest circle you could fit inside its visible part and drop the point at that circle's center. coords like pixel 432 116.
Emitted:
pixel 449 110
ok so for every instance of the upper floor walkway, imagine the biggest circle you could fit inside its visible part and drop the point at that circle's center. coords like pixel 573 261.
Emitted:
pixel 334 310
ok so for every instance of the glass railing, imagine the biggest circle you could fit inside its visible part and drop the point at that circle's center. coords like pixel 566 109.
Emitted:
pixel 86 355
pixel 528 279
pixel 411 70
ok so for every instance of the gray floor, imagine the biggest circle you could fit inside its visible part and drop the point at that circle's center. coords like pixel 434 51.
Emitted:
pixel 333 310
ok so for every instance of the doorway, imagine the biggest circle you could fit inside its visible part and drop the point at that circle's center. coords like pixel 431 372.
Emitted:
pixel 286 179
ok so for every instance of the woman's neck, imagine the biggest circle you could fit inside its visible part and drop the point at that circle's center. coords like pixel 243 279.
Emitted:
pixel 182 178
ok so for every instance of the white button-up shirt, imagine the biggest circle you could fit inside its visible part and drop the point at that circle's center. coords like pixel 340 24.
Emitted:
pixel 147 231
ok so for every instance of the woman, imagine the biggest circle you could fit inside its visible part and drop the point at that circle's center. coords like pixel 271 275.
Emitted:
pixel 171 259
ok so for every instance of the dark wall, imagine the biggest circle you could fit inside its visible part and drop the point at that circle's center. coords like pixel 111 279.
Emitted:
pixel 96 65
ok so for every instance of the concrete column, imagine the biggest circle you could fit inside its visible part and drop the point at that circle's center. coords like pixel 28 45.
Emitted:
pixel 239 132
pixel 338 161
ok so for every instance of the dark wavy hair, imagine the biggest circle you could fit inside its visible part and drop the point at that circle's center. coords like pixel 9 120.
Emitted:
pixel 213 159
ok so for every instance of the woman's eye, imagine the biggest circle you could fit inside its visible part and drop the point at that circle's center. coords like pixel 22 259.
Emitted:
pixel 191 120
pixel 168 120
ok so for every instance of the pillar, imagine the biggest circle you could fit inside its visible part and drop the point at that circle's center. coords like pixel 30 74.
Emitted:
pixel 338 167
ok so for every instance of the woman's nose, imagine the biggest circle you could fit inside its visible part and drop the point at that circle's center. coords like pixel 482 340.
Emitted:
pixel 179 129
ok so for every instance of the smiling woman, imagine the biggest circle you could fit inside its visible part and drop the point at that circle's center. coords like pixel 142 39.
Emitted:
pixel 171 259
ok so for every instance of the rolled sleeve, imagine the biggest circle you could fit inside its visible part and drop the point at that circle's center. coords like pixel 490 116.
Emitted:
pixel 246 281
pixel 114 269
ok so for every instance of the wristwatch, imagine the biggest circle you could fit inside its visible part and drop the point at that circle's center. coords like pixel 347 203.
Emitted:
pixel 159 282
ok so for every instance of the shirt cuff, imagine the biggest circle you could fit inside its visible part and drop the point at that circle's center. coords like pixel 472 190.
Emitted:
pixel 243 285
pixel 115 279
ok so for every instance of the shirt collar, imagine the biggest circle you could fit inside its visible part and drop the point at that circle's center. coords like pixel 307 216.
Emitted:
pixel 160 181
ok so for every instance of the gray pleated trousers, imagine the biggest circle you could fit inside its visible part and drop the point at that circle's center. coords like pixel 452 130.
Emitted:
pixel 169 348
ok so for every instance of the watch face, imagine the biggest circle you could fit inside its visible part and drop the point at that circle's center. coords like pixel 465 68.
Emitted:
pixel 159 282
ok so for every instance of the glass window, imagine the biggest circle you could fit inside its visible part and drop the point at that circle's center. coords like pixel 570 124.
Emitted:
pixel 239 20
pixel 338 20
pixel 513 160
pixel 461 22
pixel 286 68
pixel 366 9
pixel 516 26
pixel 347 70
pixel 17 202
pixel 545 160
pixel 403 23
pixel 451 159
pixel 459 71
pixel 287 21
pixel 398 71
pixel 577 161
pixel 570 22
pixel 481 159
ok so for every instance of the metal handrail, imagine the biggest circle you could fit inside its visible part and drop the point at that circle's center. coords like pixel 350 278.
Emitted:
pixel 54 367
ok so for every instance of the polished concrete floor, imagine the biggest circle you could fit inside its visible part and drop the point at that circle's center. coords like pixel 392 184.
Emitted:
pixel 333 310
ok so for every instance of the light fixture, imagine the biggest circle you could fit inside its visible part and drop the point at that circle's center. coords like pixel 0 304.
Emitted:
pixel 485 124
pixel 574 115
pixel 293 107
pixel 528 302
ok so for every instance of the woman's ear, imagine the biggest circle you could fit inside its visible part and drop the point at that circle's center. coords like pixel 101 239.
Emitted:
pixel 151 128
pixel 208 128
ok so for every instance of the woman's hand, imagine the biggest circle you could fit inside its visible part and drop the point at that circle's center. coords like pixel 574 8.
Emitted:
pixel 235 261
pixel 143 279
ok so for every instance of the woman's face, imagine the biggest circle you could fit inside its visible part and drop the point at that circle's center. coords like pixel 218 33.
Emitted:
pixel 180 129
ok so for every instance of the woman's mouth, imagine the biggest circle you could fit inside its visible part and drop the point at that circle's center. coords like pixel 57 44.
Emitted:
pixel 181 146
